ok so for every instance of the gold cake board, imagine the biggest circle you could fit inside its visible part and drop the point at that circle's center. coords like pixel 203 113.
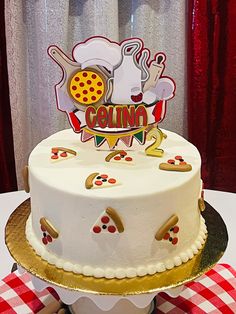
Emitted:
pixel 26 257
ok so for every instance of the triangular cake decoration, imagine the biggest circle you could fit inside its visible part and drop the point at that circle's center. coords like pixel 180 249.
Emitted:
pixel 98 180
pixel 85 136
pixel 112 140
pixel 140 137
pixel 61 153
pixel 127 140
pixel 99 140
pixel 108 222
pixel 168 231
pixel 119 157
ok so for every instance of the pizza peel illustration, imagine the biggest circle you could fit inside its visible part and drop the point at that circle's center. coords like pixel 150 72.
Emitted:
pixel 79 87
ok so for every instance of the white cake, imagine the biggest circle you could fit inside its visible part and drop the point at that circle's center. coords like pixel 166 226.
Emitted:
pixel 143 199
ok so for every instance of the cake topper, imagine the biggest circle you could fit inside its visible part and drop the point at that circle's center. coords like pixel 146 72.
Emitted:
pixel 112 91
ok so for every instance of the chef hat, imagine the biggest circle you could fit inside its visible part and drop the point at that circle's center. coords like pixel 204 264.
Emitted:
pixel 98 51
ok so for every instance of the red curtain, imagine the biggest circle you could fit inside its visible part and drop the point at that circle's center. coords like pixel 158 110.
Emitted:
pixel 7 162
pixel 212 89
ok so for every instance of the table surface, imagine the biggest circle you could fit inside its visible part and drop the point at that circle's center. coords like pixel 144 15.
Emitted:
pixel 223 202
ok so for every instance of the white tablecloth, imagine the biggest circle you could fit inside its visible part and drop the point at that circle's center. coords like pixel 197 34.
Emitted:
pixel 224 203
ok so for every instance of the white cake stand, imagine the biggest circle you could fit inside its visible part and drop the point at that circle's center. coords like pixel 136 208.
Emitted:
pixel 87 295
pixel 87 303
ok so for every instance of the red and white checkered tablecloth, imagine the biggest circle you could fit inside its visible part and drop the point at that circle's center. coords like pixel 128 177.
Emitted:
pixel 214 292
pixel 18 296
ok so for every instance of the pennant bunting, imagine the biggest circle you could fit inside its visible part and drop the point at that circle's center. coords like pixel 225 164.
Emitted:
pixel 85 136
pixel 99 140
pixel 112 140
pixel 139 137
pixel 127 140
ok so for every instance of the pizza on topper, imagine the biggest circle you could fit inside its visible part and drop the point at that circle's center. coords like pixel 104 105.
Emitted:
pixel 119 156
pixel 87 87
pixel 100 180
pixel 62 153
pixel 108 222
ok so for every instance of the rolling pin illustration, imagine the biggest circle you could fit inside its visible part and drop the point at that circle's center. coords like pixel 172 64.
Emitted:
pixel 156 68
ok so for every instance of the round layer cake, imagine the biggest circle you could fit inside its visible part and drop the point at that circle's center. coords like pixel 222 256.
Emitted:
pixel 114 214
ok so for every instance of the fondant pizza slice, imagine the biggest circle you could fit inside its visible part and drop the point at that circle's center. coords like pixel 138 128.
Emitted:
pixel 49 231
pixel 100 180
pixel 119 156
pixel 201 202
pixel 168 231
pixel 177 164
pixel 61 153
pixel 108 222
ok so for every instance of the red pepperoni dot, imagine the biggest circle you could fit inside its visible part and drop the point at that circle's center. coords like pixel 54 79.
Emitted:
pixel 105 219
pixel 99 92
pixel 55 150
pixel 91 89
pixel 112 229
pixel 77 79
pixel 123 153
pixel 171 161
pixel 117 158
pixel 81 84
pixel 182 163
pixel 74 87
pixel 43 229
pixel 178 157
pixel 128 158
pixel 96 229
pixel 49 238
pixel 89 82
pixel 104 176
pixel 175 241
pixel 166 236
pixel 85 74
pixel 85 99
pixel 85 92
pixel 112 181
pixel 176 229
pixel 98 182
pixel 99 84
pixel 44 240
pixel 93 98
pixel 77 95
pixel 94 76
pixel 54 157
pixel 63 154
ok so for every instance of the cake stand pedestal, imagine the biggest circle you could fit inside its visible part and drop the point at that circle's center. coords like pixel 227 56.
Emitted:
pixel 111 296
pixel 87 303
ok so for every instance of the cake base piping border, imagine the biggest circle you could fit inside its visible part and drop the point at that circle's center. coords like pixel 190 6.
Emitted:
pixel 118 273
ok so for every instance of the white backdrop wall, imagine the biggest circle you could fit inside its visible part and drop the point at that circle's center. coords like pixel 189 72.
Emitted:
pixel 33 25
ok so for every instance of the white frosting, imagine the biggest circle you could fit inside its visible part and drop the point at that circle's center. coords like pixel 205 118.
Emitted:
pixel 129 272
pixel 145 199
